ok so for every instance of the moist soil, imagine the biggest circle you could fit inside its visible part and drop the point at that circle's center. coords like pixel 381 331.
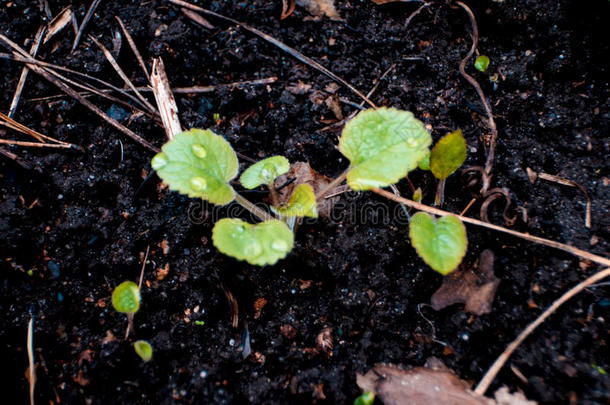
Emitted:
pixel 353 292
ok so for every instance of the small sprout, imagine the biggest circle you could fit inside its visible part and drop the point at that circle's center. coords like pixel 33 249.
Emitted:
pixel 126 298
pixel 366 398
pixel 216 117
pixel 264 172
pixel 199 323
pixel 481 63
pixel 382 145
pixel 448 155
pixel 418 195
pixel 424 164
pixel 440 242
pixel 260 244
pixel 302 203
pixel 599 369
pixel 200 164
pixel 144 350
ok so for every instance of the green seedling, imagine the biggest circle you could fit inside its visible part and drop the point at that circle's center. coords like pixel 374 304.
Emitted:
pixel 302 203
pixel 481 63
pixel 382 145
pixel 445 158
pixel 424 164
pixel 126 299
pixel 261 244
pixel 143 349
pixel 366 398
pixel 199 164
pixel 440 242
pixel 264 172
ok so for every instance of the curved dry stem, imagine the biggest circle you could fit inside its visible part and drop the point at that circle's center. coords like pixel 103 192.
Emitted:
pixel 490 118
pixel 495 368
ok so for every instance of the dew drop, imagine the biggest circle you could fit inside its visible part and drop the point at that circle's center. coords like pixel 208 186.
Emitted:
pixel 253 249
pixel 198 183
pixel 159 161
pixel 411 142
pixel 279 245
pixel 199 150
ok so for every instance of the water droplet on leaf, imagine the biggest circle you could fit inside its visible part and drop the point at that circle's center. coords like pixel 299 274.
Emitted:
pixel 158 161
pixel 198 183
pixel 279 245
pixel 199 150
pixel 253 249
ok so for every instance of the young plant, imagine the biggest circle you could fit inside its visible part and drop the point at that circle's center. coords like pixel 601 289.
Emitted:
pixel 126 299
pixel 481 63
pixel 445 158
pixel 144 350
pixel 201 164
pixel 383 145
pixel 261 244
pixel 440 242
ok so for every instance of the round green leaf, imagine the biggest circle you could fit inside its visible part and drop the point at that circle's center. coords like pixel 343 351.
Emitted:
pixel 424 163
pixel 126 297
pixel 200 164
pixel 367 398
pixel 481 63
pixel 448 154
pixel 144 350
pixel 302 203
pixel 259 244
pixel 382 145
pixel 440 242
pixel 264 172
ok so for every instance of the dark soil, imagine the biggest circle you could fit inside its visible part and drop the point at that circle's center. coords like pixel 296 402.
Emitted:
pixel 78 223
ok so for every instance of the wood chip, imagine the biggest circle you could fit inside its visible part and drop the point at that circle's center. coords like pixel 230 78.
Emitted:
pixel 319 8
pixel 259 304
pixel 474 287
pixel 58 23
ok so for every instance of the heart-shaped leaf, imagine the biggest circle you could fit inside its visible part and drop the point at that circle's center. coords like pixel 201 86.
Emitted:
pixel 440 242
pixel 448 154
pixel 143 349
pixel 264 172
pixel 200 164
pixel 126 297
pixel 302 203
pixel 259 244
pixel 382 145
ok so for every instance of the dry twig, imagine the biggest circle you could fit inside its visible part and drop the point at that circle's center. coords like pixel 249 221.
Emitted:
pixel 24 72
pixel 501 360
pixel 90 12
pixel 535 239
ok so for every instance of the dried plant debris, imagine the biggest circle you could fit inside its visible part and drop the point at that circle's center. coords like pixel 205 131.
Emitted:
pixel 395 385
pixel 302 173
pixel 476 287
pixel 319 8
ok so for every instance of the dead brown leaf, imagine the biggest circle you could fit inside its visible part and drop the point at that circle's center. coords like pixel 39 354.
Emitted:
pixel 319 8
pixel 418 386
pixel 303 173
pixel 475 287
pixel 395 385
